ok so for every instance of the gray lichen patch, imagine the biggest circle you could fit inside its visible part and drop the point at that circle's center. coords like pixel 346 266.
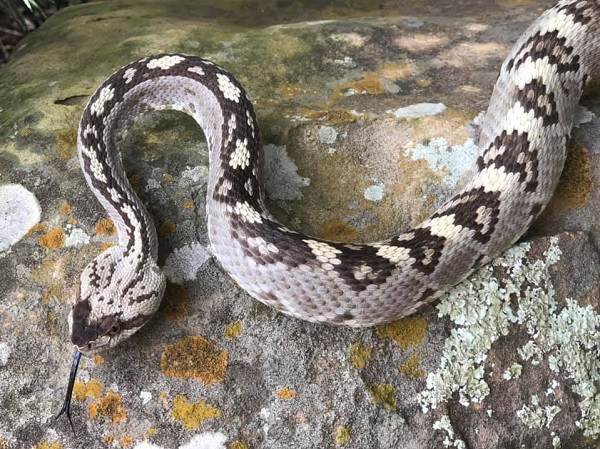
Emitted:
pixel 516 289
pixel 19 211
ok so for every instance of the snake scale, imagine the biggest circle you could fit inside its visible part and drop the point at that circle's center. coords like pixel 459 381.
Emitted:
pixel 522 149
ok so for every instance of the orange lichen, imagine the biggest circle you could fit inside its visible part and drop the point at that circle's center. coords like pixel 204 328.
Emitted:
pixel 385 395
pixel 339 230
pixel 333 116
pixel 176 302
pixel 195 357
pixel 359 354
pixel 410 367
pixel 106 227
pixel 25 132
pixel 46 445
pixel 192 414
pixel 93 389
pixel 65 208
pixel 167 228
pixel 396 71
pixel 369 84
pixel 110 406
pixel 38 227
pixel 53 239
pixel 98 359
pixel 407 332
pixel 188 205
pixel 126 441
pixel 3 444
pixel 108 439
pixel 576 184
pixel 168 177
pixel 66 144
pixel 288 91
pixel 105 246
pixel 233 330
pixel 135 179
pixel 52 292
pixel 286 393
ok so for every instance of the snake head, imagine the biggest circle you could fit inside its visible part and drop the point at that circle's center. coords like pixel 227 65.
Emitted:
pixel 117 296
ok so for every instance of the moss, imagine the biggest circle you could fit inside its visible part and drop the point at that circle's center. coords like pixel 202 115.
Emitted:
pixel 407 332
pixel 195 357
pixel 359 354
pixel 342 435
pixel 53 239
pixel 233 330
pixel 286 393
pixel 385 395
pixel 410 367
pixel 106 227
pixel 192 414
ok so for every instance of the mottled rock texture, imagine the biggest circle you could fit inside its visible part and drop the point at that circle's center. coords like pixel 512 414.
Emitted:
pixel 367 110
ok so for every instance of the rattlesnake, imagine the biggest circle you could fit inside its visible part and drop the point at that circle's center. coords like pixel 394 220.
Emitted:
pixel 522 152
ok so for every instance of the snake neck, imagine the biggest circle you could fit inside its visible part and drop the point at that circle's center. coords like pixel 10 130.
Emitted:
pixel 101 163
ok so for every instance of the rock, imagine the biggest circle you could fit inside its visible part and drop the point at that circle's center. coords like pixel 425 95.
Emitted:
pixel 508 358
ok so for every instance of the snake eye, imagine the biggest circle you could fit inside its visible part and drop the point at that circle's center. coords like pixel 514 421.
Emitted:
pixel 114 328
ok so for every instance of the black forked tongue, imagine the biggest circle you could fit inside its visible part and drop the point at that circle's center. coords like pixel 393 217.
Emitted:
pixel 66 408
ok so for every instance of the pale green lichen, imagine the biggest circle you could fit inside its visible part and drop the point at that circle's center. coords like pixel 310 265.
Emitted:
pixel 537 416
pixel 481 309
pixel 513 371
pixel 444 424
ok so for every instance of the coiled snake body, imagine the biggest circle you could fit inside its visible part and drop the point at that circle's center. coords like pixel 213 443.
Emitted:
pixel 522 143
pixel 522 152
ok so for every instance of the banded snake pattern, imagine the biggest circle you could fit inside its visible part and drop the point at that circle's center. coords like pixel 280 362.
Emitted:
pixel 522 149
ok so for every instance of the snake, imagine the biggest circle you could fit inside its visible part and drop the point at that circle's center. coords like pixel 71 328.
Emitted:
pixel 522 150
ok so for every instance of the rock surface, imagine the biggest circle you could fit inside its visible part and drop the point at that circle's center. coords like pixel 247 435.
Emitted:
pixel 367 116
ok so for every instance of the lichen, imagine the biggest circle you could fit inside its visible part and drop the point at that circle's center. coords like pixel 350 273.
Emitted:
pixel 109 406
pixel 286 393
pixel 192 414
pixel 410 367
pixel 449 441
pixel 167 228
pixel 407 332
pixel 197 358
pixel 359 354
pixel 46 445
pixel 92 389
pixel 385 395
pixel 486 307
pixel 106 227
pixel 53 239
pixel 342 435
pixel 233 330
pixel 176 302
pixel 238 444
